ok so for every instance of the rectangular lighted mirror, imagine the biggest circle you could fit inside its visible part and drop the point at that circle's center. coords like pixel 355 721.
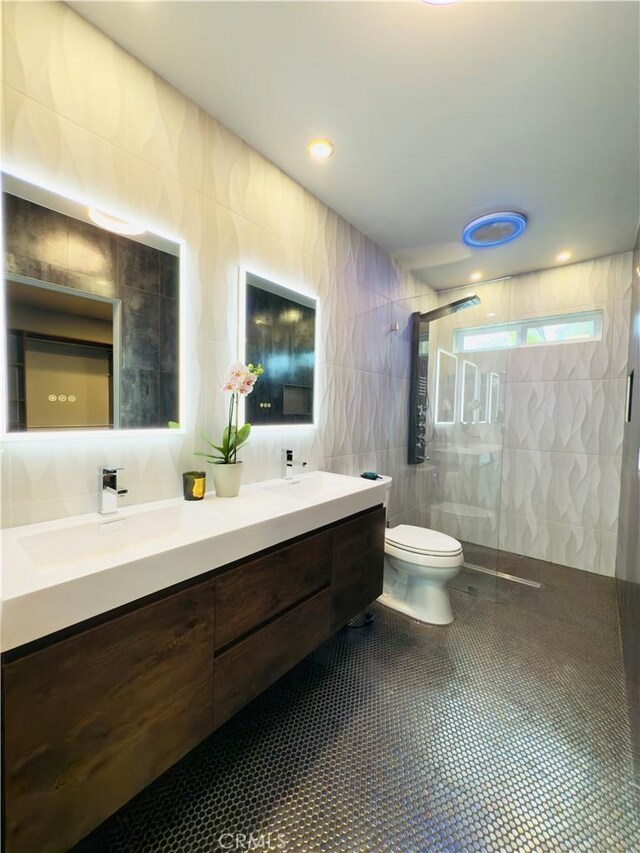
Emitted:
pixel 280 334
pixel 92 329
pixel 494 398
pixel 469 404
pixel 446 387
pixel 483 398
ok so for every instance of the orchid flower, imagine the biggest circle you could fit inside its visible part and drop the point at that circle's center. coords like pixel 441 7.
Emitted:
pixel 239 382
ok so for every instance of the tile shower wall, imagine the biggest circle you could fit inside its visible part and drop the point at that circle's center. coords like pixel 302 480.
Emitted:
pixel 82 116
pixel 545 482
pixel 581 390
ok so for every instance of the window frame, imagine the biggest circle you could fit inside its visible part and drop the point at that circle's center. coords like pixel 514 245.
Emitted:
pixel 522 327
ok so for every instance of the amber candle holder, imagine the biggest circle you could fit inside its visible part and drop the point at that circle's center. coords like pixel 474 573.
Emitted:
pixel 193 484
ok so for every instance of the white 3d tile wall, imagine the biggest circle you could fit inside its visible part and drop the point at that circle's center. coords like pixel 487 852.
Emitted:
pixel 84 116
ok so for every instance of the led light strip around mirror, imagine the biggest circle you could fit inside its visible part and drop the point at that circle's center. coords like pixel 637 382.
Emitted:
pixel 64 203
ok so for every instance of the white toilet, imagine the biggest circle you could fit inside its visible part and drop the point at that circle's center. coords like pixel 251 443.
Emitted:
pixel 418 564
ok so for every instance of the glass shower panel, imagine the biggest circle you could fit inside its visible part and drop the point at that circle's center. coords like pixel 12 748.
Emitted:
pixel 468 388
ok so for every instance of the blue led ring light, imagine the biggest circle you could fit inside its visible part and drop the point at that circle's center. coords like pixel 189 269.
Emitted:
pixel 494 229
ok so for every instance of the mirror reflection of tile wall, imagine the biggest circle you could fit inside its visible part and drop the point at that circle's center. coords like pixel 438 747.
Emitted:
pixel 280 335
pixel 49 246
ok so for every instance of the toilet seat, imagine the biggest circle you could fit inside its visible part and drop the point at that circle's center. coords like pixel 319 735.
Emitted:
pixel 422 542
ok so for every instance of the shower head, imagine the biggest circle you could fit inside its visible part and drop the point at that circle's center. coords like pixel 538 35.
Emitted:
pixel 451 308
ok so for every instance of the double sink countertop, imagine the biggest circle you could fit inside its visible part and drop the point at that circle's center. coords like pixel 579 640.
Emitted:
pixel 58 573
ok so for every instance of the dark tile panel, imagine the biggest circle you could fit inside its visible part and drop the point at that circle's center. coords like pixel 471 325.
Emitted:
pixel 138 266
pixel 92 251
pixel 168 404
pixel 35 268
pixel 140 329
pixel 169 276
pixel 139 398
pixel 169 335
pixel 35 232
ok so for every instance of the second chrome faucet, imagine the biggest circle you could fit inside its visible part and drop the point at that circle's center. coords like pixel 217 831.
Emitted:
pixel 288 465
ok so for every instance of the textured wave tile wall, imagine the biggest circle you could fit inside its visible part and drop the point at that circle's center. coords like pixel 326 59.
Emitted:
pixel 83 116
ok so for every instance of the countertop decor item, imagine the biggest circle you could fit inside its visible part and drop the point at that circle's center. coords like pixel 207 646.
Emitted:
pixel 239 382
pixel 193 483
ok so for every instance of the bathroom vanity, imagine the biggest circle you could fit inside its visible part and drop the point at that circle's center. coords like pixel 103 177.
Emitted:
pixel 98 708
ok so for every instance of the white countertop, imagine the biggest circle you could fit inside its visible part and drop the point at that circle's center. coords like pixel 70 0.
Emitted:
pixel 58 573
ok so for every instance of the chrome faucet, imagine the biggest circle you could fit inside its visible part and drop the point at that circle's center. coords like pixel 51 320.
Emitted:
pixel 288 465
pixel 108 491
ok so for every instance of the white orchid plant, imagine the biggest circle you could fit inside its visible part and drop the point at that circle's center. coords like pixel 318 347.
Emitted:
pixel 239 382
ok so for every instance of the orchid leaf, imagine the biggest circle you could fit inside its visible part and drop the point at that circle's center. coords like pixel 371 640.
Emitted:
pixel 209 456
pixel 243 433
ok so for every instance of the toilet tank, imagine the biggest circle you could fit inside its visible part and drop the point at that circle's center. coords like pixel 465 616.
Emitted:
pixel 387 481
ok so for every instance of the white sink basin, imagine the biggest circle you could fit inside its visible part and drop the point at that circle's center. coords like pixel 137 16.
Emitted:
pixel 316 485
pixel 83 542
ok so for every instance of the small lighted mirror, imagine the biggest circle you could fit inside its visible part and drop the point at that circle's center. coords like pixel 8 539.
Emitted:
pixel 446 387
pixel 469 405
pixel 494 398
pixel 91 319
pixel 483 398
pixel 279 334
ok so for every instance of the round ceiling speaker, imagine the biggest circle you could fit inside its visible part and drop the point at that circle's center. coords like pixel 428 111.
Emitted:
pixel 494 229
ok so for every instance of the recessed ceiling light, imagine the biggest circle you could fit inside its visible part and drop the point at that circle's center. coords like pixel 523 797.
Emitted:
pixel 113 223
pixel 563 257
pixel 491 314
pixel 475 276
pixel 439 2
pixel 494 229
pixel 321 149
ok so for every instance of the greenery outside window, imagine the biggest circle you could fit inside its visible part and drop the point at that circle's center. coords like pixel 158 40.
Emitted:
pixel 563 329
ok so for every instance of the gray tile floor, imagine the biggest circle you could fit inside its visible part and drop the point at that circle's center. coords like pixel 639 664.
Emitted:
pixel 506 731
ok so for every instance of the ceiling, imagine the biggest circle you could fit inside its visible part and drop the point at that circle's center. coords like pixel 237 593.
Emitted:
pixel 438 114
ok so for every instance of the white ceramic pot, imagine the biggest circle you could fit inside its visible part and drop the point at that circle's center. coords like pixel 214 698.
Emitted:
pixel 226 479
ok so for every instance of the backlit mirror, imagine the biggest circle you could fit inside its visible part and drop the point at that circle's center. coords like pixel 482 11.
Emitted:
pixel 279 334
pixel 483 398
pixel 446 387
pixel 470 404
pixel 91 318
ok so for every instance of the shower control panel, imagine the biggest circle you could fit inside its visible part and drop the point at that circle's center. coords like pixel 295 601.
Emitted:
pixel 418 393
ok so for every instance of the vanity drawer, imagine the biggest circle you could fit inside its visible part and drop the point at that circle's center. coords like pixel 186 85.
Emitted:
pixel 247 596
pixel 245 670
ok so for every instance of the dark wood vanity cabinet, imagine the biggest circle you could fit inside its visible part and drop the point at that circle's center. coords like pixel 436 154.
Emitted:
pixel 358 557
pixel 90 719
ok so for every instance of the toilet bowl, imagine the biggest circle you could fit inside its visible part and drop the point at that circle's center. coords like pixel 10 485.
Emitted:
pixel 418 564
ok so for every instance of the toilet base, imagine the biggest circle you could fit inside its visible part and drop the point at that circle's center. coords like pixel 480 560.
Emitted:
pixel 433 608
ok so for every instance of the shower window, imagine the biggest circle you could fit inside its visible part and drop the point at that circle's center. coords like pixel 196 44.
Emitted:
pixel 567 328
